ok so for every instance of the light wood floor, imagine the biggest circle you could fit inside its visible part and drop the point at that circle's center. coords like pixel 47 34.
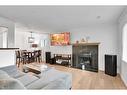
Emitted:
pixel 82 79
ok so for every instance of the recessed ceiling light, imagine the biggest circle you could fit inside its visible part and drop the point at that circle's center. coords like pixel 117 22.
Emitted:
pixel 98 17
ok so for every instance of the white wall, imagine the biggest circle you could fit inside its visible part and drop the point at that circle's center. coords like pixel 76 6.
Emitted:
pixel 122 22
pixel 11 31
pixel 61 49
pixel 7 57
pixel 106 34
pixel 21 38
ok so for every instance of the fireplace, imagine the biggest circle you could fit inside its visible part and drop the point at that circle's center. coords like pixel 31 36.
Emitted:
pixel 85 57
pixel 84 60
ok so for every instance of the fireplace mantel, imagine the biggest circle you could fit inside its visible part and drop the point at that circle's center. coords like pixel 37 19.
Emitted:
pixel 89 43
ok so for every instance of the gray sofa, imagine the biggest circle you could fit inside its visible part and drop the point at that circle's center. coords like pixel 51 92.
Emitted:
pixel 12 78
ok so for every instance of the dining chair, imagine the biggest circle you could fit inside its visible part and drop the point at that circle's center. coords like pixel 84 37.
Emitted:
pixel 18 58
pixel 38 55
pixel 24 56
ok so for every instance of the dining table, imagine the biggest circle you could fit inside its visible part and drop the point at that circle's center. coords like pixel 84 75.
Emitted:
pixel 30 56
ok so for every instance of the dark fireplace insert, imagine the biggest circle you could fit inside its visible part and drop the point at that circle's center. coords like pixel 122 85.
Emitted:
pixel 85 57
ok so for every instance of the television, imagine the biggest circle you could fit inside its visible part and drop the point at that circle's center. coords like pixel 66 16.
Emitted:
pixel 60 39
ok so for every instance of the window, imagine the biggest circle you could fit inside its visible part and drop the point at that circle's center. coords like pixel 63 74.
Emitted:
pixel 124 57
pixel 44 42
pixel 3 36
pixel 5 40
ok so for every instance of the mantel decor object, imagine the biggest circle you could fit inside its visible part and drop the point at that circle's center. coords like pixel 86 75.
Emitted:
pixel 82 40
pixel 87 39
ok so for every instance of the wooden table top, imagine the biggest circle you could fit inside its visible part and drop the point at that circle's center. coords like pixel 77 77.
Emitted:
pixel 34 66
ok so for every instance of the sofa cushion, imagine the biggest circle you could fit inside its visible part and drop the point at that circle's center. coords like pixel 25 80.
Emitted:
pixel 17 74
pixel 27 79
pixel 49 79
pixel 12 71
pixel 9 69
pixel 3 75
pixel 7 82
pixel 52 76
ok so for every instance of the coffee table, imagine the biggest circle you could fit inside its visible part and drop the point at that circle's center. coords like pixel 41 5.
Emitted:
pixel 33 67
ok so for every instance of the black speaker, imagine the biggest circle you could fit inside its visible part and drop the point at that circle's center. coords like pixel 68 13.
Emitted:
pixel 111 65
pixel 48 56
pixel 52 61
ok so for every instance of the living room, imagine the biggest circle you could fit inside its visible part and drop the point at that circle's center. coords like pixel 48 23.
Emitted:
pixel 97 29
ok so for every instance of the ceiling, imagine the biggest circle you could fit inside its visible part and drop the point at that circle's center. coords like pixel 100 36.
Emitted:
pixel 61 18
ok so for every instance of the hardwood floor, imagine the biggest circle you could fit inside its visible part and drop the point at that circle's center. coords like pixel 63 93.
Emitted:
pixel 82 79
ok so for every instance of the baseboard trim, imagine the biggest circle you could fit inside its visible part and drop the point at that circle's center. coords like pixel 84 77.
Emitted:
pixel 123 79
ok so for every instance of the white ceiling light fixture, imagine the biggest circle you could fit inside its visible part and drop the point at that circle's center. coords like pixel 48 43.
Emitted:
pixel 31 39
pixel 98 17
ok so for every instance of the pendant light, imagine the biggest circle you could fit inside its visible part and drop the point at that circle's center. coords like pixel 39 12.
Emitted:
pixel 31 39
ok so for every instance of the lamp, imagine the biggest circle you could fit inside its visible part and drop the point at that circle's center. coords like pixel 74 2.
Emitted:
pixel 31 39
